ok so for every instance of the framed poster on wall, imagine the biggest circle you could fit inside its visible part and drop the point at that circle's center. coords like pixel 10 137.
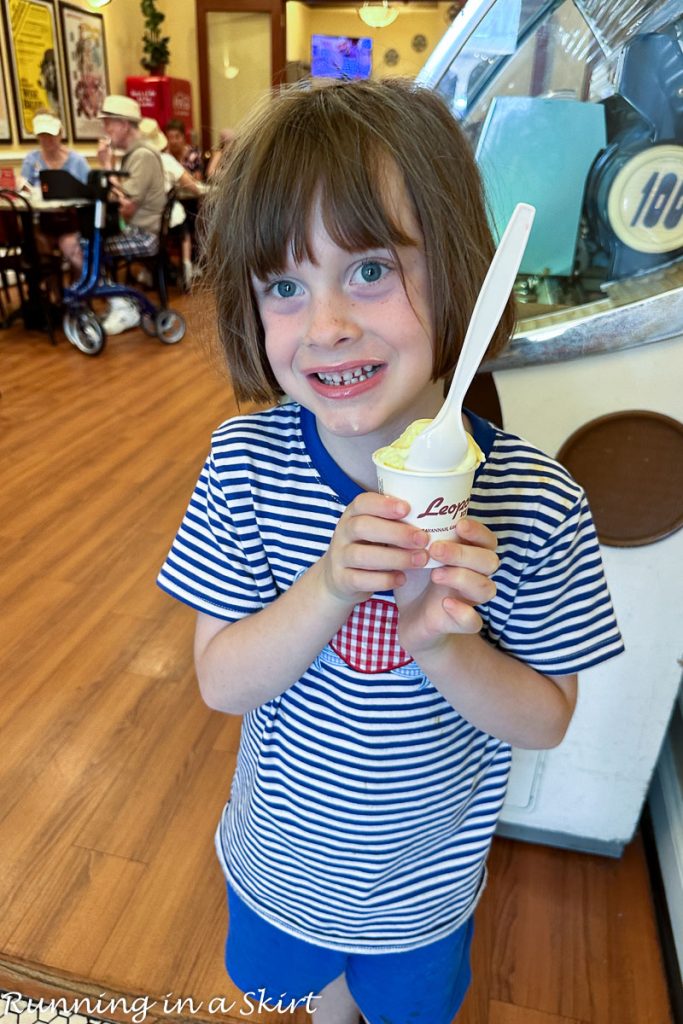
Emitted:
pixel 5 129
pixel 34 59
pixel 85 64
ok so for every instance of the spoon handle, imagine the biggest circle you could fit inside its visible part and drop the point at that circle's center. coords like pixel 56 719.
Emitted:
pixel 490 303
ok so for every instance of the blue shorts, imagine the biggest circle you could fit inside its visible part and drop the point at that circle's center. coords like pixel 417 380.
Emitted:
pixel 420 986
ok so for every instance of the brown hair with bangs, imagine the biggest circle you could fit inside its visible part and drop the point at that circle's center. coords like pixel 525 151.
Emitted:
pixel 333 144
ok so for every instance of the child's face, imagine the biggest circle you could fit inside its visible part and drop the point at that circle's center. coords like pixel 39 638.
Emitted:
pixel 347 340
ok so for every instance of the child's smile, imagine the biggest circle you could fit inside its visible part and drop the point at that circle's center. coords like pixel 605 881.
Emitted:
pixel 345 381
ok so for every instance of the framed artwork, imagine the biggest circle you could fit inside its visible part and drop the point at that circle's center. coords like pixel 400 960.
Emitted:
pixel 85 64
pixel 5 129
pixel 35 61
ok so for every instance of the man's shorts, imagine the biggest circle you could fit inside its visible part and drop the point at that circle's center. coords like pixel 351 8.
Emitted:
pixel 420 986
pixel 133 242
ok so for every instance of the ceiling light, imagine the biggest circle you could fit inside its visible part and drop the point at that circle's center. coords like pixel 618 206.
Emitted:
pixel 229 70
pixel 378 15
pixel 98 3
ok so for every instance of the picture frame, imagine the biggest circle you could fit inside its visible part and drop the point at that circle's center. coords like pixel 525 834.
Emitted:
pixel 86 70
pixel 35 61
pixel 5 126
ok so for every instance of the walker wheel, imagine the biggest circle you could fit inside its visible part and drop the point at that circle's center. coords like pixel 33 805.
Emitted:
pixel 149 325
pixel 170 326
pixel 84 330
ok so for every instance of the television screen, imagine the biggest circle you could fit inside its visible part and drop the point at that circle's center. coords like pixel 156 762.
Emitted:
pixel 340 57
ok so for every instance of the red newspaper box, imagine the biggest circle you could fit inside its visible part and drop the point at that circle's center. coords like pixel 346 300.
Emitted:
pixel 162 97
pixel 8 178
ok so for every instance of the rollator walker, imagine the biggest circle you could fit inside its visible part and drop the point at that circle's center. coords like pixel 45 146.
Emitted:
pixel 81 324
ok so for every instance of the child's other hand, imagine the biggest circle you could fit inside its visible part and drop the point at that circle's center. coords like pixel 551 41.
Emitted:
pixel 445 603
pixel 371 548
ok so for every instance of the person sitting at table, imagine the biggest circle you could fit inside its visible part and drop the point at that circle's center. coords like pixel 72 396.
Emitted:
pixel 52 154
pixel 175 176
pixel 57 230
pixel 140 195
pixel 178 146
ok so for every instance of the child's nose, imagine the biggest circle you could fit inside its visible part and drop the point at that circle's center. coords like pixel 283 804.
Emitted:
pixel 332 319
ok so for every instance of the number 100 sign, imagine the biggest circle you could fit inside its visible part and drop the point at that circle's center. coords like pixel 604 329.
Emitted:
pixel 645 202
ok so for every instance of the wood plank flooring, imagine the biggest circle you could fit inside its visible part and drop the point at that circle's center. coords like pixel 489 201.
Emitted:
pixel 113 772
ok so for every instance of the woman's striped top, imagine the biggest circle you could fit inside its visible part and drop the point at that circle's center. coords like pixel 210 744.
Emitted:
pixel 363 804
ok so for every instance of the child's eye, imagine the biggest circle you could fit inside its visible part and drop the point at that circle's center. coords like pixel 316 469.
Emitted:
pixel 370 271
pixel 284 289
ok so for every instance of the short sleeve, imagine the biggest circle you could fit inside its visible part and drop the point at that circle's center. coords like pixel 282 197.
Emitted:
pixel 207 566
pixel 29 169
pixel 142 167
pixel 82 168
pixel 172 168
pixel 562 620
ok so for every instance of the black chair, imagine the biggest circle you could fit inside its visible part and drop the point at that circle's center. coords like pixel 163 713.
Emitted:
pixel 11 260
pixel 159 265
pixel 23 268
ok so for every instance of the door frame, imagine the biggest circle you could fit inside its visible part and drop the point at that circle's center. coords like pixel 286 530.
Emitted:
pixel 276 10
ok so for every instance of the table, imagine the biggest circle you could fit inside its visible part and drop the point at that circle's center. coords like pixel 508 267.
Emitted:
pixel 35 310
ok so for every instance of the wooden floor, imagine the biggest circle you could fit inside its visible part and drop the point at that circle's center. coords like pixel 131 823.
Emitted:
pixel 113 772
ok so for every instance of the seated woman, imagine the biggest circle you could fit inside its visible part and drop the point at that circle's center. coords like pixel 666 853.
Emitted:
pixel 178 146
pixel 52 155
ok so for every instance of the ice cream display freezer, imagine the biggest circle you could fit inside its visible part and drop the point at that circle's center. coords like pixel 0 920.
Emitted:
pixel 576 107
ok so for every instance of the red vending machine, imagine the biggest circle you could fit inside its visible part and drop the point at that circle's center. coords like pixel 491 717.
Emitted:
pixel 162 97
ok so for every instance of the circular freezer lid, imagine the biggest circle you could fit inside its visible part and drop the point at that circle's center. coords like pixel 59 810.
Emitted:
pixel 630 465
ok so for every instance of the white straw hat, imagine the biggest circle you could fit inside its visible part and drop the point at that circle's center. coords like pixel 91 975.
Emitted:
pixel 124 107
pixel 46 124
pixel 152 134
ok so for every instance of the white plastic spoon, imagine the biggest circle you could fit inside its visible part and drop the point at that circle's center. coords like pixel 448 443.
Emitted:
pixel 443 444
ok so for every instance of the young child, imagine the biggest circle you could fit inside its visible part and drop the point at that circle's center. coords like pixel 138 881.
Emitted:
pixel 346 247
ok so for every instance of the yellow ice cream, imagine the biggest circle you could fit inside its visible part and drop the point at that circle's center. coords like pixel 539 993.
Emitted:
pixel 395 455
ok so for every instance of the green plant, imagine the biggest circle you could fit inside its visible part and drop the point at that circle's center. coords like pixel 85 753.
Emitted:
pixel 154 45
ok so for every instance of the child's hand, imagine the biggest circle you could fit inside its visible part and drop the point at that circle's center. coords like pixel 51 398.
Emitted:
pixel 430 612
pixel 371 548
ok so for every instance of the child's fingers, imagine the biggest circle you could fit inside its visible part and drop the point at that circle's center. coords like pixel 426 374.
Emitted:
pixel 370 503
pixel 471 531
pixel 464 618
pixel 378 519
pixel 370 582
pixel 468 584
pixel 382 556
pixel 452 553
pixel 439 615
pixel 373 530
pixel 372 547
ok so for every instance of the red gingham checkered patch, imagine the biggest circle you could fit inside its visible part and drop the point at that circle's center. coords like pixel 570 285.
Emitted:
pixel 368 640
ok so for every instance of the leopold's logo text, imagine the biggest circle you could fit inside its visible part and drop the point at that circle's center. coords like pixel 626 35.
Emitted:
pixel 438 507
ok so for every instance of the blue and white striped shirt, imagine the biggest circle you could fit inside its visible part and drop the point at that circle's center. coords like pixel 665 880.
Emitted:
pixel 363 805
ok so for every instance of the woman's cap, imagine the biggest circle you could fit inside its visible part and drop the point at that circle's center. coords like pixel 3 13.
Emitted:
pixel 152 134
pixel 46 124
pixel 124 107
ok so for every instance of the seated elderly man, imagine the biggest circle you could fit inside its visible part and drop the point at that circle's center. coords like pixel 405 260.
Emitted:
pixel 141 195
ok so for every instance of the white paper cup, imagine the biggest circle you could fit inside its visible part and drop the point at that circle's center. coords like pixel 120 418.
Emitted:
pixel 437 500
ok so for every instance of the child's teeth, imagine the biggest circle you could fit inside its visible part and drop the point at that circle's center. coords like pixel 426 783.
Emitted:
pixel 356 376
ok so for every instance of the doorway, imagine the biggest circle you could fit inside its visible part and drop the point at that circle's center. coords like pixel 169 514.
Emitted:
pixel 241 50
